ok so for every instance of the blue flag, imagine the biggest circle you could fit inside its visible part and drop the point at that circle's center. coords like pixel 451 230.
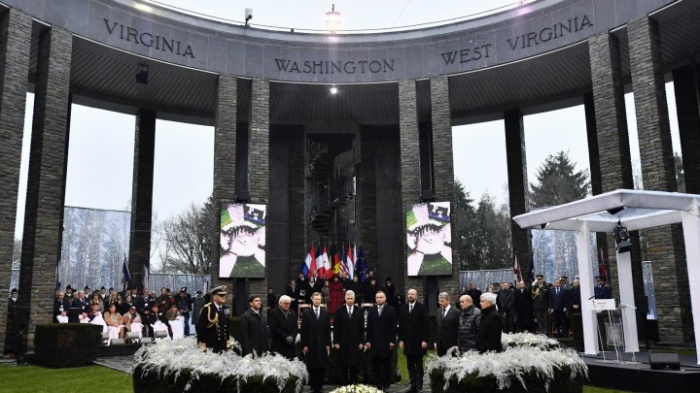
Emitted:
pixel 126 276
pixel 531 272
pixel 361 266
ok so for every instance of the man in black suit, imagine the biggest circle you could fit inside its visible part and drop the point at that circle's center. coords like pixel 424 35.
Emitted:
pixel 447 325
pixel 348 337
pixel 413 337
pixel 474 293
pixel 283 328
pixel 316 341
pixel 254 328
pixel 212 326
pixel 381 333
pixel 60 305
pixel 557 307
pixel 78 307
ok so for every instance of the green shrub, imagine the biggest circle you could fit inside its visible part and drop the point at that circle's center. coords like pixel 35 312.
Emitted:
pixel 155 382
pixel 67 345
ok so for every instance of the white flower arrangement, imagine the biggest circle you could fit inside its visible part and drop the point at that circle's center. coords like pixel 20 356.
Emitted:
pixel 528 340
pixel 171 357
pixel 514 363
pixel 357 389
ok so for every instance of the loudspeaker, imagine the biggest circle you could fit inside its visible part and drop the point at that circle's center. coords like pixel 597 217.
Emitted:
pixel 243 196
pixel 664 361
pixel 427 196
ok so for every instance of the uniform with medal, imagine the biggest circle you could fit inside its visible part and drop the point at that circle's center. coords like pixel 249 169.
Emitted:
pixel 212 325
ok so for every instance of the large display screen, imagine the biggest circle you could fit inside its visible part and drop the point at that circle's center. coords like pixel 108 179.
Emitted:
pixel 429 239
pixel 242 241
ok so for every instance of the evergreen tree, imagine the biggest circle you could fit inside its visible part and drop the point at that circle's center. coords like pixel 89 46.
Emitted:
pixel 463 222
pixel 558 182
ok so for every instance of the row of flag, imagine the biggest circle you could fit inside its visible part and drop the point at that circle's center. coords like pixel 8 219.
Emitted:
pixel 351 263
pixel 517 277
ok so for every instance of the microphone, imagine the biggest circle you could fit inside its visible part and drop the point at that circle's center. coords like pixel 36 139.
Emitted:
pixel 593 297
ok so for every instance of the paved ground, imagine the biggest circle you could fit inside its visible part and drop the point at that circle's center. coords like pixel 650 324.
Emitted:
pixel 124 363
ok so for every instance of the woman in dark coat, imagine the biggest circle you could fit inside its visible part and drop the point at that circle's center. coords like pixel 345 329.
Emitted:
pixel 488 338
pixel 336 294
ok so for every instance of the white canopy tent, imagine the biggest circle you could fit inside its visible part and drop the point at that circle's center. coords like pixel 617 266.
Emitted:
pixel 634 210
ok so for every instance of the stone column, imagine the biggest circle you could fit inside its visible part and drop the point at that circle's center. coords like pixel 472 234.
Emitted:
pixel 367 190
pixel 224 163
pixel 259 162
pixel 443 173
pixel 297 230
pixel 410 164
pixel 15 41
pixel 45 185
pixel 518 186
pixel 687 88
pixel 615 166
pixel 142 196
pixel 612 149
pixel 658 171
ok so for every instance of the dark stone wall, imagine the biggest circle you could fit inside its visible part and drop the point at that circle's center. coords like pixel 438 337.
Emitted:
pixel 390 242
pixel 297 230
pixel 443 173
pixel 259 162
pixel 278 210
pixel 410 152
pixel 15 41
pixel 518 186
pixel 687 87
pixel 45 185
pixel 142 195
pixel 367 193
pixel 225 133
pixel 666 248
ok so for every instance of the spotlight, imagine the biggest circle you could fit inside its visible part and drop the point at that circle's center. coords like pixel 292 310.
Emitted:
pixel 334 90
pixel 248 16
pixel 622 238
pixel 142 73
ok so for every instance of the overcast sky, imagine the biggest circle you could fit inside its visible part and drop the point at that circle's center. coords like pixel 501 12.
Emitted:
pixel 101 148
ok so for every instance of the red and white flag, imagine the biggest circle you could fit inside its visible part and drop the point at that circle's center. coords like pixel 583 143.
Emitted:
pixel 516 269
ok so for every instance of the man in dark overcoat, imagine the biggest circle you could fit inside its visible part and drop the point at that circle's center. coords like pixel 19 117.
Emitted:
pixel 523 309
pixel 212 326
pixel 254 340
pixel 316 341
pixel 447 325
pixel 283 328
pixel 381 334
pixel 348 338
pixel 414 333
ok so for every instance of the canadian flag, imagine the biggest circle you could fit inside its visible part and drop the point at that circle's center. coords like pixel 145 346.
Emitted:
pixel 327 269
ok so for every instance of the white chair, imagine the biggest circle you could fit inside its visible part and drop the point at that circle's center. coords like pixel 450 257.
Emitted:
pixel 160 331
pixel 137 328
pixel 178 328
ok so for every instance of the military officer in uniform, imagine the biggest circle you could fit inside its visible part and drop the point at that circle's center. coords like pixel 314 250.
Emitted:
pixel 540 303
pixel 212 326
